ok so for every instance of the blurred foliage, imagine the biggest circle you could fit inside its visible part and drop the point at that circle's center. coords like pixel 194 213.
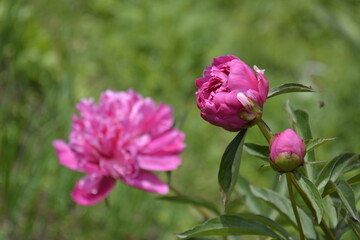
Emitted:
pixel 53 53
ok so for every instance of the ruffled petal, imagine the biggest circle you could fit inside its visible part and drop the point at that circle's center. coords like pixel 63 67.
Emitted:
pixel 241 77
pixel 200 81
pixel 263 84
pixel 159 162
pixel 66 156
pixel 171 142
pixel 148 182
pixel 223 59
pixel 92 189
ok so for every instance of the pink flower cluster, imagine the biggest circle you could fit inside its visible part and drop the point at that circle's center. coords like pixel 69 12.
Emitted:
pixel 124 137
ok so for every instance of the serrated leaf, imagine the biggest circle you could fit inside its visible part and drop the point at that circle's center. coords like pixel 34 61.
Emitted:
pixel 335 168
pixel 283 206
pixel 288 88
pixel 230 164
pixel 192 201
pixel 347 197
pixel 313 195
pixel 311 144
pixel 229 225
pixel 256 150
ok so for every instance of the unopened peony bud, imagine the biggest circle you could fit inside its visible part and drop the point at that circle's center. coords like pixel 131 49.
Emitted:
pixel 230 94
pixel 287 151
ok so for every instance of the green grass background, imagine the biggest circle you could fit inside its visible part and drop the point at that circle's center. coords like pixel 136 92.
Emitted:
pixel 53 53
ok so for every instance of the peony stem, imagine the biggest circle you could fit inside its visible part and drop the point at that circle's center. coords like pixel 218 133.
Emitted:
pixel 107 204
pixel 323 224
pixel 265 130
pixel 200 210
pixel 294 207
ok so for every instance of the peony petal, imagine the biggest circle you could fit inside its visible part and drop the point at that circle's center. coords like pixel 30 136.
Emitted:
pixel 286 141
pixel 158 162
pixel 66 155
pixel 223 59
pixel 263 86
pixel 92 189
pixel 200 81
pixel 148 182
pixel 163 120
pixel 170 142
pixel 241 77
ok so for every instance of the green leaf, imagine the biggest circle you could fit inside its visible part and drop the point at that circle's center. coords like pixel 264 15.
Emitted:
pixel 229 225
pixel 330 215
pixel 291 114
pixel 256 150
pixel 311 144
pixel 354 166
pixel 253 203
pixel 268 222
pixel 335 168
pixel 302 123
pixel 347 197
pixel 299 120
pixel 312 194
pixel 355 226
pixel 283 206
pixel 288 88
pixel 330 189
pixel 230 164
pixel 303 126
pixel 192 201
pixel 341 227
pixel 354 180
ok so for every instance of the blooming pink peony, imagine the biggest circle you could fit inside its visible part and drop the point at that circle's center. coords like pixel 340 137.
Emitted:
pixel 123 137
pixel 230 94
pixel 287 151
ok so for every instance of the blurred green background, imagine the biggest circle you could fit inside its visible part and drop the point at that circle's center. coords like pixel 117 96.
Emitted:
pixel 53 53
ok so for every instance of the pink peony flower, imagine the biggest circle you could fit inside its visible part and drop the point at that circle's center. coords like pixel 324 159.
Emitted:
pixel 124 137
pixel 287 151
pixel 230 94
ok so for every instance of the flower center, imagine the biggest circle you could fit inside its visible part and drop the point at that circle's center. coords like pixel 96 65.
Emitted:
pixel 122 165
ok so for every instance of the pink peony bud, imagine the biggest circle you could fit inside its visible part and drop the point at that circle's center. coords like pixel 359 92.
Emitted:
pixel 230 94
pixel 287 151
pixel 125 137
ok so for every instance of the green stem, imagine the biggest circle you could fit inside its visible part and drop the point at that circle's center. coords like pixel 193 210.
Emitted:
pixel 200 210
pixel 107 204
pixel 294 207
pixel 323 224
pixel 264 130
